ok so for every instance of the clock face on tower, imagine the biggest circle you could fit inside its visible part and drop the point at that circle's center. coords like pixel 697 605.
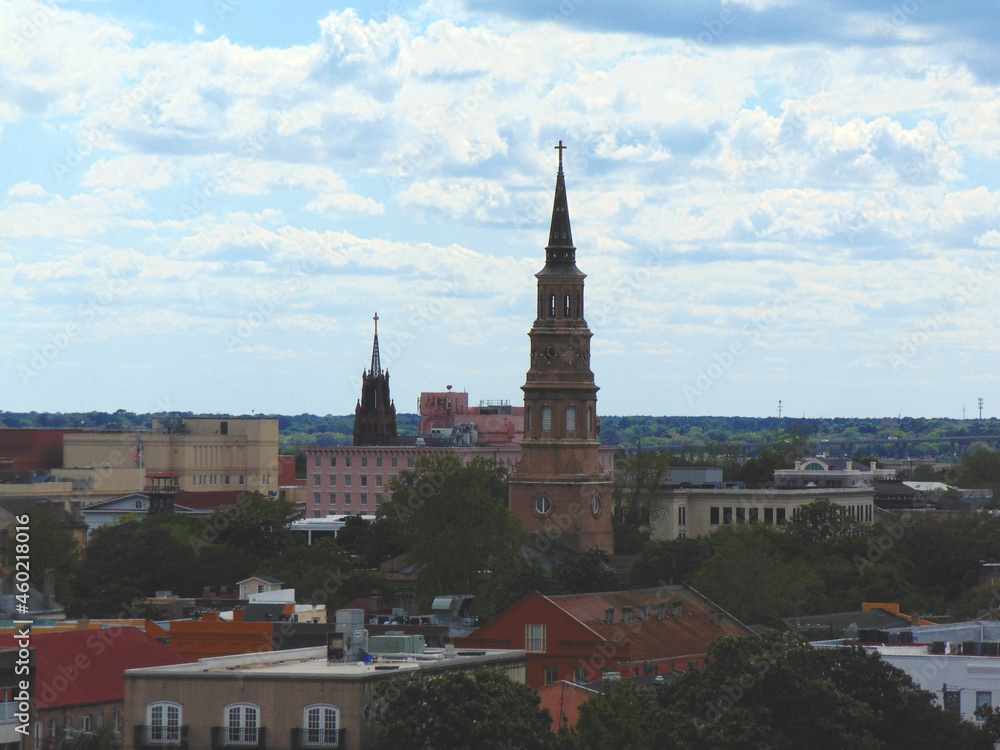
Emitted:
pixel 549 355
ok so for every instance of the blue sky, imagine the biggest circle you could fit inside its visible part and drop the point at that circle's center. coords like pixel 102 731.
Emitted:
pixel 202 204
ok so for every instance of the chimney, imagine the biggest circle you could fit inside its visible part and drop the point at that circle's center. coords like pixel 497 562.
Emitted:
pixel 609 615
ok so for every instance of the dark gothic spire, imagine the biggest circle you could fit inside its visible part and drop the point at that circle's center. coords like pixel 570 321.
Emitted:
pixel 376 362
pixel 560 247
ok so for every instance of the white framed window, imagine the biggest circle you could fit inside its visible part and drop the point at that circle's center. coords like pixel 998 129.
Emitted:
pixel 546 419
pixel 534 637
pixel 163 722
pixel 580 675
pixel 242 724
pixel 320 722
pixel 364 462
pixel 571 419
pixel 543 506
pixel 86 723
pixel 317 460
pixel 38 735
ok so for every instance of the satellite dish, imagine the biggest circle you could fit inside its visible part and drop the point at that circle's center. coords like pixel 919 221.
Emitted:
pixel 851 632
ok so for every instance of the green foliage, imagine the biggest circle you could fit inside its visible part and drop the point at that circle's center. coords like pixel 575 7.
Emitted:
pixel 821 520
pixel 135 558
pixel 979 468
pixel 454 523
pixel 585 573
pixel 257 523
pixel 628 718
pixel 775 693
pixel 456 711
pixel 749 574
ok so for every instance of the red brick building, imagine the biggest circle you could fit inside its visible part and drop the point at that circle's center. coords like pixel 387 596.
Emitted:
pixel 559 486
pixel 579 637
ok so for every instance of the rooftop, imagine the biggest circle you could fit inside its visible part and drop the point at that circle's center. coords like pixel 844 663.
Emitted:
pixel 312 663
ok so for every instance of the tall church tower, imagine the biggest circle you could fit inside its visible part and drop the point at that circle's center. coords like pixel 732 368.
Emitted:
pixel 558 485
pixel 375 414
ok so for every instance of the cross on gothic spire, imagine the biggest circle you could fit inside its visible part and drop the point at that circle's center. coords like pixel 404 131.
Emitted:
pixel 376 360
pixel 560 148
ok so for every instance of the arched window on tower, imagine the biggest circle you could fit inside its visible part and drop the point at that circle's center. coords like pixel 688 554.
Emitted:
pixel 552 305
pixel 590 420
pixel 566 312
pixel 571 419
pixel 546 419
pixel 579 304
pixel 528 419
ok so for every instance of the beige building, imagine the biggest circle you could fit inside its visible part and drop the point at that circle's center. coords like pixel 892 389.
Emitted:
pixel 281 700
pixel 206 454
pixel 691 512
pixel 823 471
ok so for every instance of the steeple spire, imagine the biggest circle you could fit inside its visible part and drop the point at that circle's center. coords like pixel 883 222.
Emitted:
pixel 376 361
pixel 560 248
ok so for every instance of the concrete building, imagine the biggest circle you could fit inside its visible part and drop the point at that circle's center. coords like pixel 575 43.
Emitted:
pixel 826 472
pixel 691 512
pixel 293 699
pixel 959 663
pixel 206 453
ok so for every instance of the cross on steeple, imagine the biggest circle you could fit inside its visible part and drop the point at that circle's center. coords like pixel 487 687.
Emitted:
pixel 560 148
pixel 376 360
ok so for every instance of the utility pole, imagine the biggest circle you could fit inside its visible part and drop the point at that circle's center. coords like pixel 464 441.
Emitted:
pixel 779 408
pixel 980 408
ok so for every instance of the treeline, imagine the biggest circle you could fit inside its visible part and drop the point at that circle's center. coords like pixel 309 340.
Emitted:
pixel 823 561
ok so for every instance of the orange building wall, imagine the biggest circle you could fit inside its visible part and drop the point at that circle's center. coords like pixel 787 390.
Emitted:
pixel 200 639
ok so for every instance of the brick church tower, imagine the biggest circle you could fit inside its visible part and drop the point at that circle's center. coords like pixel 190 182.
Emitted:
pixel 558 485
pixel 375 414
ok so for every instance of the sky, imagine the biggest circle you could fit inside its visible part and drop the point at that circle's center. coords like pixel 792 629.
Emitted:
pixel 203 203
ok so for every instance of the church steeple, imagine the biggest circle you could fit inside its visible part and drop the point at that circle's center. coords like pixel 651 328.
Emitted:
pixel 376 361
pixel 560 248
pixel 375 414
pixel 559 484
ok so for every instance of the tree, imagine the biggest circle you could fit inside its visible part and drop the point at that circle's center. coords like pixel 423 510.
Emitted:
pixel 776 692
pixel 749 575
pixel 456 711
pixel 454 523
pixel 256 523
pixel 820 520
pixel 584 573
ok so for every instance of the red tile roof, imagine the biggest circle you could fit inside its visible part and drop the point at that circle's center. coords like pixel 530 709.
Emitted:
pixel 653 637
pixel 81 667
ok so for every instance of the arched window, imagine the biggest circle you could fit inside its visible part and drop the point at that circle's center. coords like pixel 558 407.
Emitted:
pixel 571 419
pixel 566 312
pixel 529 418
pixel 546 419
pixel 321 722
pixel 163 722
pixel 242 724
pixel 552 305
pixel 378 712
pixel 590 419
